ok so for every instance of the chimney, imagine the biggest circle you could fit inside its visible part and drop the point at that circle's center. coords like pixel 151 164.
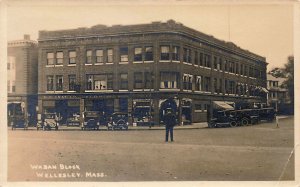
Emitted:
pixel 26 37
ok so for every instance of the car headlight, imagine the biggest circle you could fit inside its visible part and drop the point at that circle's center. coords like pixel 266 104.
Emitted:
pixel 127 123
pixel 114 123
pixel 98 123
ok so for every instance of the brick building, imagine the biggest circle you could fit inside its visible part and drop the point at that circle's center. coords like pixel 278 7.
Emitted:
pixel 143 69
pixel 22 75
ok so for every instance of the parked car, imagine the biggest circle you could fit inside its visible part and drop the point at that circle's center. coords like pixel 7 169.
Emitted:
pixel 48 121
pixel 91 120
pixel 118 120
pixel 266 114
pixel 222 118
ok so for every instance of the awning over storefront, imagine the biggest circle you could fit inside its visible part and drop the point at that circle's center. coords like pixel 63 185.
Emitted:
pixel 222 105
pixel 264 90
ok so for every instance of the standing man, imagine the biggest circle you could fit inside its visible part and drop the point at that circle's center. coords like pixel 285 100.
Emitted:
pixel 169 120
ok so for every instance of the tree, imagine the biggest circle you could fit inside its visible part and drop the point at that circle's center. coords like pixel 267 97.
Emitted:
pixel 277 72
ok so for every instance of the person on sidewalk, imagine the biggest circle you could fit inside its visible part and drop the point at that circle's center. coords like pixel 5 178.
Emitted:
pixel 277 120
pixel 169 120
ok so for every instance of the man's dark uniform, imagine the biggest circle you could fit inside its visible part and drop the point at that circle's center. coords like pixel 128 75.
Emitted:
pixel 170 122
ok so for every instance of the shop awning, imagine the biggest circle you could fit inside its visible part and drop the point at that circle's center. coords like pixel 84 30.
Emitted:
pixel 222 105
pixel 265 90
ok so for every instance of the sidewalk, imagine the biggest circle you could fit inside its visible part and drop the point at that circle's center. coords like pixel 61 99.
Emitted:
pixel 192 126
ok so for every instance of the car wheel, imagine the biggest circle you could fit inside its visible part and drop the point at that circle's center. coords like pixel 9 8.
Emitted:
pixel 233 124
pixel 245 121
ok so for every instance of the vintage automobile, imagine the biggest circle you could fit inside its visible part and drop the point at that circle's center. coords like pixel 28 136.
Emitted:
pixel 91 120
pixel 16 116
pixel 73 121
pixel 222 118
pixel 266 114
pixel 48 121
pixel 118 120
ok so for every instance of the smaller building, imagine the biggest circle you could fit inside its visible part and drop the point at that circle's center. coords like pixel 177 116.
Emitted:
pixel 22 76
pixel 278 96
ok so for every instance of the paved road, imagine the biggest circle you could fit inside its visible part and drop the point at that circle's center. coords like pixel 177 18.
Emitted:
pixel 260 152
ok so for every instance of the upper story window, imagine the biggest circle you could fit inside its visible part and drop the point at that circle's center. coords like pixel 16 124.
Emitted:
pixel 164 52
pixel 50 83
pixel 123 81
pixel 187 81
pixel 187 55
pixel 175 53
pixel 124 54
pixel 219 65
pixel 72 57
pixel 59 58
pixel 196 58
pixel 99 56
pixel 149 53
pixel 100 82
pixel 138 80
pixel 88 57
pixel 149 80
pixel 207 84
pixel 59 82
pixel 231 67
pixel 110 55
pixel 72 82
pixel 242 69
pixel 215 62
pixel 50 58
pixel 199 83
pixel 8 66
pixel 169 80
pixel 201 59
pixel 226 66
pixel 246 73
pixel 138 54
pixel 251 72
pixel 207 60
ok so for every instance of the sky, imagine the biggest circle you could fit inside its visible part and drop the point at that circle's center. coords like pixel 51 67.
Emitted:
pixel 264 29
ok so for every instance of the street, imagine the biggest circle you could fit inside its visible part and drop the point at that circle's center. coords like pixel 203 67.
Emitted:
pixel 258 152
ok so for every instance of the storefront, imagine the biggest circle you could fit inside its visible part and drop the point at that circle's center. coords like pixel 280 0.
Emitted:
pixel 142 112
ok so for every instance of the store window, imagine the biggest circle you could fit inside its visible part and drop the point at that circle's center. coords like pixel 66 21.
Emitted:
pixel 123 81
pixel 50 58
pixel 124 54
pixel 59 82
pixel 59 58
pixel 175 53
pixel 138 54
pixel 72 82
pixel 148 53
pixel 72 57
pixel 138 80
pixel 164 52
pixel 169 80
pixel 99 56
pixel 50 82
pixel 88 57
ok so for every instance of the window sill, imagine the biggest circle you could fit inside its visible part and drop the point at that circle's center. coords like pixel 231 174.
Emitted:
pixel 59 91
pixel 123 90
pixel 187 63
pixel 164 60
pixel 60 65
pixel 110 63
pixel 71 91
pixel 207 68
pixel 148 61
pixel 187 90
pixel 49 66
pixel 49 91
pixel 121 63
pixel 169 89
pixel 137 90
pixel 175 61
pixel 88 64
pixel 98 90
pixel 137 62
pixel 71 65
pixel 97 64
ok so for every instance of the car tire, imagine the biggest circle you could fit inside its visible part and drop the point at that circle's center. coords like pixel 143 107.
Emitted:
pixel 233 124
pixel 244 122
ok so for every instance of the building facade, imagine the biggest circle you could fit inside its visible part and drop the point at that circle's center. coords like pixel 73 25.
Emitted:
pixel 278 96
pixel 22 75
pixel 142 70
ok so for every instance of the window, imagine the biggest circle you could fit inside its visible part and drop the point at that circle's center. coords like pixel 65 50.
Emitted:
pixel 72 57
pixel 199 83
pixel 226 67
pixel 99 56
pixel 187 55
pixel 237 71
pixel 100 82
pixel 110 56
pixel 59 58
pixel 72 82
pixel 220 89
pixel 207 84
pixel 59 82
pixel 8 86
pixel 50 83
pixel 250 72
pixel 123 81
pixel 231 87
pixel 124 54
pixel 215 85
pixel 215 63
pixel 89 57
pixel 242 69
pixel 13 86
pixel 198 107
pixel 138 54
pixel 149 80
pixel 169 80
pixel 201 59
pixel 148 54
pixel 165 53
pixel 196 59
pixel 207 61
pixel 219 66
pixel 138 80
pixel 8 66
pixel 50 58
pixel 175 54
pixel 187 81
pixel 246 73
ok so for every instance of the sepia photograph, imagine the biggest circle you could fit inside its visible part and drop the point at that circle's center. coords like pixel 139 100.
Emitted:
pixel 148 91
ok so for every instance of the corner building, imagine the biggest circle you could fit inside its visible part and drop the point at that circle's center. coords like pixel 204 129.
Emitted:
pixel 144 69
